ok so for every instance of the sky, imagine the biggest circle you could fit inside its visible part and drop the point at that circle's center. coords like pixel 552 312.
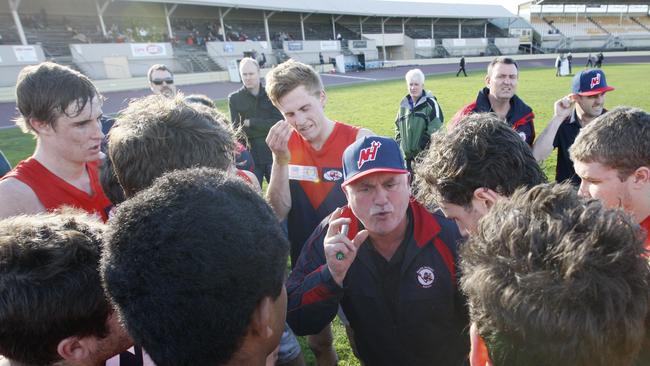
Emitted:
pixel 511 5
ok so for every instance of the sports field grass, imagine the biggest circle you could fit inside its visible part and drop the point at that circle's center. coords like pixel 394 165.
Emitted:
pixel 374 105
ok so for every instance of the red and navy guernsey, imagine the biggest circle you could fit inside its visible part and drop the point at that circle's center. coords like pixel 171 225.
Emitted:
pixel 426 324
pixel 315 178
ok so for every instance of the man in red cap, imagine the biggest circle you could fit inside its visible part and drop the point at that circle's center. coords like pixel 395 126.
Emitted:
pixel 588 97
pixel 388 262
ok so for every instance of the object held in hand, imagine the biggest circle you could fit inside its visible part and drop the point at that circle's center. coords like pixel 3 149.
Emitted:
pixel 344 231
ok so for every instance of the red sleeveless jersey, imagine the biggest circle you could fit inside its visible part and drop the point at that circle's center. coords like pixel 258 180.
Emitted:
pixel 54 192
pixel 315 178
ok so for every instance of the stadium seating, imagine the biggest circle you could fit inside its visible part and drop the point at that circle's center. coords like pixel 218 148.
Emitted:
pixel 541 26
pixel 644 21
pixel 465 47
pixel 8 30
pixel 569 26
pixel 618 25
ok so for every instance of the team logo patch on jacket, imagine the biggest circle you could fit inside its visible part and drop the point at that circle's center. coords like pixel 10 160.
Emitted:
pixel 332 175
pixel 425 276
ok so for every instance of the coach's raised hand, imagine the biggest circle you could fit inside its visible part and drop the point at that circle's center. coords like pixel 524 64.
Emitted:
pixel 340 251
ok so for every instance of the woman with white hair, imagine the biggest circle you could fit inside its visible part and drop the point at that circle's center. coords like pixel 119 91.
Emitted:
pixel 419 116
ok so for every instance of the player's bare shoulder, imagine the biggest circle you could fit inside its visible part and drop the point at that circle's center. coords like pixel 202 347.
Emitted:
pixel 17 198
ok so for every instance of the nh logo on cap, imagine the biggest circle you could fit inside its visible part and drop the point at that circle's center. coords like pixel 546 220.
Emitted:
pixel 368 154
pixel 595 81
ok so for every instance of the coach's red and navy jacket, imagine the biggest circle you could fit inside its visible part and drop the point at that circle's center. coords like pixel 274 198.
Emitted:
pixel 520 116
pixel 430 323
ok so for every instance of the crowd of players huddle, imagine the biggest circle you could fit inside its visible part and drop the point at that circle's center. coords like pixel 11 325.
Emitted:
pixel 436 247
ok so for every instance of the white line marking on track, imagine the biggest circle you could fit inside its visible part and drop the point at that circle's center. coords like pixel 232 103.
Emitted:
pixel 348 77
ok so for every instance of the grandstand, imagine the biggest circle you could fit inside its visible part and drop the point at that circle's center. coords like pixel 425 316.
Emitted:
pixel 588 26
pixel 115 38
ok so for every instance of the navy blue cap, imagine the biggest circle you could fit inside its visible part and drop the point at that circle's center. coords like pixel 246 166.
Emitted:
pixel 372 154
pixel 590 82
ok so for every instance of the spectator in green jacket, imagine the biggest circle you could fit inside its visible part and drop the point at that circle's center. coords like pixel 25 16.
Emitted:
pixel 418 117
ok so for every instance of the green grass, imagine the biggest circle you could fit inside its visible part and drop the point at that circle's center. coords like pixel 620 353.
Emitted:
pixel 374 105
pixel 16 145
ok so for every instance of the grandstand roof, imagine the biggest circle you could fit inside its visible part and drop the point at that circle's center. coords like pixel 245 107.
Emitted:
pixel 359 7
pixel 591 2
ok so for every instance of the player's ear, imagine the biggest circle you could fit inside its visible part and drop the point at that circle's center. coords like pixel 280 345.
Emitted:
pixel 478 354
pixel 641 175
pixel 74 349
pixel 323 98
pixel 41 127
pixel 262 318
pixel 486 197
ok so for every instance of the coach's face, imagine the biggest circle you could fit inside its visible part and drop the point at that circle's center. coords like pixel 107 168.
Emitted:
pixel 502 81
pixel 379 201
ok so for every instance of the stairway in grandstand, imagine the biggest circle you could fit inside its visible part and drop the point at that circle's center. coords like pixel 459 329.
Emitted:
pixel 551 24
pixel 440 51
pixel 637 21
pixel 195 59
pixel 280 55
pixel 643 25
pixel 54 39
pixel 492 49
pixel 594 22
pixel 66 61
pixel 345 50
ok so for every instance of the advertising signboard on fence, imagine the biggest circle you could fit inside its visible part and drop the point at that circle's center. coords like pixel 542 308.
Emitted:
pixel 148 49
pixel 25 53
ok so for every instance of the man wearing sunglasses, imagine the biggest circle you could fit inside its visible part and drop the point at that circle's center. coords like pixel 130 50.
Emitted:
pixel 161 80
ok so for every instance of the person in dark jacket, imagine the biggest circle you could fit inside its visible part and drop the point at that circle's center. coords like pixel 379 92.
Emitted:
pixel 388 262
pixel 419 116
pixel 251 110
pixel 599 60
pixel 462 67
pixel 499 96
pixel 571 113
